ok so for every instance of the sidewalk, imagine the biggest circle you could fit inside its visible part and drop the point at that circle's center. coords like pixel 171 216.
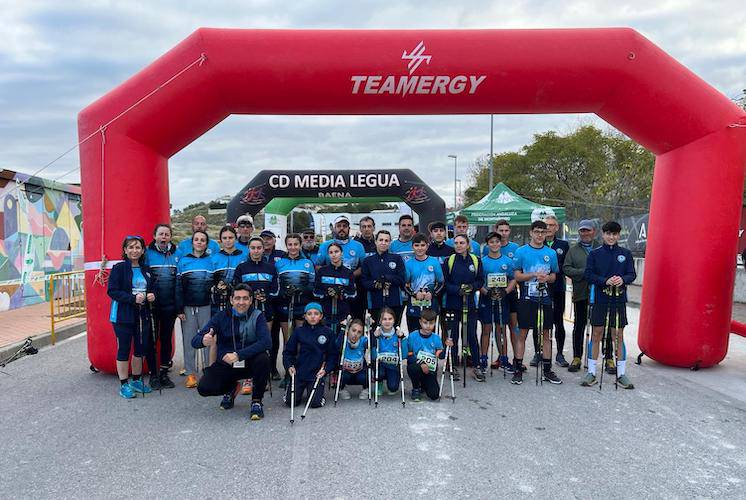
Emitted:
pixel 33 321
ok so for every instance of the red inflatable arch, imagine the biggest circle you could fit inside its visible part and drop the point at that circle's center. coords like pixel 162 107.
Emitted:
pixel 697 134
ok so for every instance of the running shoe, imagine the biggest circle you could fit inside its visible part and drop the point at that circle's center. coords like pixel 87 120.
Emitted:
pixel 575 365
pixel 229 399
pixel 561 361
pixel 126 392
pixel 551 377
pixel 363 394
pixel 166 382
pixel 191 381
pixel 257 410
pixel 624 382
pixel 154 382
pixel 589 380
pixel 479 375
pixel 517 377
pixel 416 395
pixel 138 386
pixel 344 394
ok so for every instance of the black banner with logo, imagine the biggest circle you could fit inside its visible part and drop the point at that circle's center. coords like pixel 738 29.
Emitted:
pixel 402 184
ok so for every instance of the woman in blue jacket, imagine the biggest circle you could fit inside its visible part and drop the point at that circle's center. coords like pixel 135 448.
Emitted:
pixel 335 281
pixel 224 264
pixel 131 290
pixel 194 280
pixel 463 277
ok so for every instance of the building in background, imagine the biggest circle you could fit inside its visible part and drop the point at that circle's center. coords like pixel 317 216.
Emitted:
pixel 40 234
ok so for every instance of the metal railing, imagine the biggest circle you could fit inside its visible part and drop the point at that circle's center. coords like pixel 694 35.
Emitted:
pixel 66 297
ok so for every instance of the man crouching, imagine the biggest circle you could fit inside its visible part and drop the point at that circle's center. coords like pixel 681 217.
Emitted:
pixel 242 340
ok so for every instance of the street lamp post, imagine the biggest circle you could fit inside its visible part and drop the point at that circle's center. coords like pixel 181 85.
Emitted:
pixel 455 177
pixel 492 128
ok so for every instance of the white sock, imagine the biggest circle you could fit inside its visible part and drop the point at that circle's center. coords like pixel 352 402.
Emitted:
pixel 591 366
pixel 620 365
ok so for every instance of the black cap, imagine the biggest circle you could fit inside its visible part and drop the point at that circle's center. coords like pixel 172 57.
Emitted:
pixel 308 230
pixel 436 225
pixel 268 233
pixel 493 234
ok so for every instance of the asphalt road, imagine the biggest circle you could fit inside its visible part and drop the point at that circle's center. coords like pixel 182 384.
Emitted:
pixel 67 434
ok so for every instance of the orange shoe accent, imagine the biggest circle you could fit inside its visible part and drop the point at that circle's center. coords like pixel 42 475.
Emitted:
pixel 247 387
pixel 191 381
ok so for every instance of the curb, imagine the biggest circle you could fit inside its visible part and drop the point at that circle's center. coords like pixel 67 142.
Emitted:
pixel 44 339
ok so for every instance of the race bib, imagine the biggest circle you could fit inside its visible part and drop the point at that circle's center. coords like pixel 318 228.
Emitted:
pixel 533 288
pixel 427 358
pixel 389 358
pixel 497 280
pixel 421 303
pixel 240 364
pixel 352 366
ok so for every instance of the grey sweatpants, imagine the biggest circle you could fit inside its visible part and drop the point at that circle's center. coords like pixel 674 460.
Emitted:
pixel 196 318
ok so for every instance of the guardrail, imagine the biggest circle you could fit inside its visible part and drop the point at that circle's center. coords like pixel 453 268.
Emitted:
pixel 66 297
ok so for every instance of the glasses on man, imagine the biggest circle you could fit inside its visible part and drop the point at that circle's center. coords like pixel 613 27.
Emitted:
pixel 309 236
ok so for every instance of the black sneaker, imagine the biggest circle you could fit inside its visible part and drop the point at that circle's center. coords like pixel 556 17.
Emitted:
pixel 551 377
pixel 155 382
pixel 230 399
pixel 479 375
pixel 257 410
pixel 517 378
pixel 166 382
pixel 535 360
pixel 561 361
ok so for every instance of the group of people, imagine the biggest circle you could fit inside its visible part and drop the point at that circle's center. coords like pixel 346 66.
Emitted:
pixel 359 309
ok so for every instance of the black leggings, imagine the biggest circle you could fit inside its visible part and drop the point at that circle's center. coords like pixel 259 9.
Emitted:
pixel 220 378
pixel 428 383
pixel 164 330
pixel 558 303
pixel 129 334
pixel 578 331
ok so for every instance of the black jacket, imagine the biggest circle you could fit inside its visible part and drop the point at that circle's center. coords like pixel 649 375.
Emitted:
pixel 124 307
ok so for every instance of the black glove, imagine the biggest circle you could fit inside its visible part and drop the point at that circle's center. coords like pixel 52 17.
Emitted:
pixel 331 291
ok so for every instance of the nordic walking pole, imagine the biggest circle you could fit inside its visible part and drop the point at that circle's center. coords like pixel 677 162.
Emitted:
pixel 604 340
pixel 588 310
pixel 310 398
pixel 537 337
pixel 155 351
pixel 443 374
pixel 615 339
pixel 139 318
pixel 502 348
pixel 291 313
pixel 369 348
pixel 378 347
pixel 292 398
pixel 453 390
pixel 492 333
pixel 401 368
pixel 464 323
pixel 342 359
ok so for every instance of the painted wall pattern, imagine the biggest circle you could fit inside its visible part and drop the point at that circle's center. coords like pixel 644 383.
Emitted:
pixel 40 234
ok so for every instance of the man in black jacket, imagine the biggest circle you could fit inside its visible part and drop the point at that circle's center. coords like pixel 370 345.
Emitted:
pixel 558 287
pixel 242 340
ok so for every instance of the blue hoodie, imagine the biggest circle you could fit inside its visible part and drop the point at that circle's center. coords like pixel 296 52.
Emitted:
pixel 309 347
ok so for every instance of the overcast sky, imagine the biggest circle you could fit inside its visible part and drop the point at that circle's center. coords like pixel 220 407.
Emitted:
pixel 57 57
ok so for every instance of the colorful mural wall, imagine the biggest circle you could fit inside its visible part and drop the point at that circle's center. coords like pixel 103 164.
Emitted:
pixel 40 234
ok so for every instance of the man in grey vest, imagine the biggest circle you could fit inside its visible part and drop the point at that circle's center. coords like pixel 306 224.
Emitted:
pixel 241 340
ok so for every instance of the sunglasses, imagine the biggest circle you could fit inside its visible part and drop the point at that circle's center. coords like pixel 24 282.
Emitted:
pixel 133 237
pixel 245 224
pixel 309 236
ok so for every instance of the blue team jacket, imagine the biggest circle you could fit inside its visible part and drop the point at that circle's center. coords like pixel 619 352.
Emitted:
pixel 385 266
pixel 309 347
pixel 603 263
pixel 194 281
pixel 340 277
pixel 162 265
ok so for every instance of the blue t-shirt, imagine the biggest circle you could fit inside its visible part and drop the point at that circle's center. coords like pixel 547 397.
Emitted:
pixel 508 249
pixel 402 248
pixel 497 272
pixel 532 260
pixel 474 246
pixel 424 274
pixel 422 349
pixel 139 285
pixel 353 253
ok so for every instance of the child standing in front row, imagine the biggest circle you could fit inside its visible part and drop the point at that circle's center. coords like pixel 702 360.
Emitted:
pixel 309 354
pixel 386 352
pixel 353 366
pixel 422 359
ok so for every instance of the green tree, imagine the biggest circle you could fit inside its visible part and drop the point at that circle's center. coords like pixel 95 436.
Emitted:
pixel 590 172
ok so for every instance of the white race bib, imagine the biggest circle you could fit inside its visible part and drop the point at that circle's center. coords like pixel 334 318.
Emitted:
pixel 428 358
pixel 497 280
pixel 240 364
pixel 389 358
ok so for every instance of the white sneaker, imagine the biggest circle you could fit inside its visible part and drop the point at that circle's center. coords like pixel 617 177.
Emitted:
pixel 363 394
pixel 344 394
